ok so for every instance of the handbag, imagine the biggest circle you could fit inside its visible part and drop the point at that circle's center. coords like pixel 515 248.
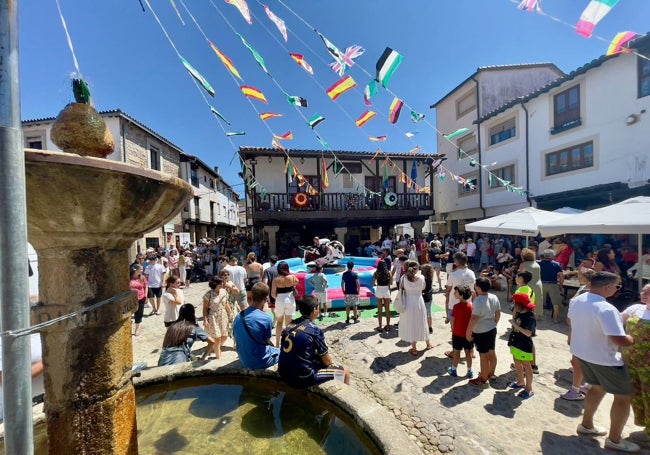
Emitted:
pixel 400 299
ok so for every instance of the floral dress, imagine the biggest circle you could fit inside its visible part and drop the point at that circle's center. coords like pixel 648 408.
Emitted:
pixel 637 358
pixel 217 326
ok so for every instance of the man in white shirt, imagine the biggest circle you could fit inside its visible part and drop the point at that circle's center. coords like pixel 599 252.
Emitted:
pixel 155 274
pixel 238 277
pixel 462 276
pixel 597 333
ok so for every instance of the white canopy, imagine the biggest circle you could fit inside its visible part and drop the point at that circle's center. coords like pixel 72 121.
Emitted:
pixel 568 210
pixel 524 222
pixel 631 216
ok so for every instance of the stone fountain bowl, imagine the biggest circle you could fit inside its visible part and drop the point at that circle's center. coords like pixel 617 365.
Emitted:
pixel 74 200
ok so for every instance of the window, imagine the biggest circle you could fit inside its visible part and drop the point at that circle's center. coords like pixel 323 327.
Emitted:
pixel 570 159
pixel 212 212
pixel 212 183
pixel 197 211
pixel 152 242
pixel 503 131
pixel 644 76
pixel 470 186
pixel 467 145
pixel 34 141
pixel 466 104
pixel 566 109
pixel 194 175
pixel 353 167
pixel 376 184
pixel 154 157
pixel 504 173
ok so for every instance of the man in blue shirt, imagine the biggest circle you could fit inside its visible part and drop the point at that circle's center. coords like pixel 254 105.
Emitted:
pixel 350 286
pixel 304 357
pixel 552 277
pixel 252 332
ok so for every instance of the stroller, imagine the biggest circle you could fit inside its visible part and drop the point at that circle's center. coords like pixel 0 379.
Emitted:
pixel 196 274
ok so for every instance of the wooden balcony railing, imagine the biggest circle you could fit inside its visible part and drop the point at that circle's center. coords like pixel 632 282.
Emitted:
pixel 281 202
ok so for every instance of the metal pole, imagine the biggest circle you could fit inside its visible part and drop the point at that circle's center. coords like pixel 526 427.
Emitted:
pixel 639 261
pixel 14 292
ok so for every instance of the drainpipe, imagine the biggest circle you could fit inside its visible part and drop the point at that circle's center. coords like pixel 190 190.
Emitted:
pixel 478 143
pixel 122 133
pixel 530 204
pixel 14 292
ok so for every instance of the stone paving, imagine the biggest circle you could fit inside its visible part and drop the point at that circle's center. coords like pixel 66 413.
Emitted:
pixel 443 414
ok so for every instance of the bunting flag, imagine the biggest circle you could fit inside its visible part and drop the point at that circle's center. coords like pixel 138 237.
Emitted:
pixel 279 23
pixel 268 115
pixel 410 134
pixel 414 170
pixel 322 141
pixel 256 55
pixel 350 53
pixel 178 13
pixel 196 75
pixel 363 119
pixel 620 40
pixel 530 5
pixel 225 60
pixel 375 155
pixel 386 66
pixel 297 101
pixel 323 171
pixel 385 180
pixel 236 133
pixel 456 133
pixel 593 13
pixel 394 110
pixel 277 145
pixel 242 6
pixel 334 51
pixel 377 138
pixel 341 86
pixel 416 117
pixel 315 120
pixel 415 149
pixel 301 61
pixel 218 114
pixel 369 91
pixel 285 137
pixel 252 92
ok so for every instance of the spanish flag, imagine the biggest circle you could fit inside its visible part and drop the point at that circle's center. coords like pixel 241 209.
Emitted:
pixel 341 86
pixel 268 115
pixel 225 60
pixel 363 119
pixel 252 92
pixel 377 138
pixel 286 136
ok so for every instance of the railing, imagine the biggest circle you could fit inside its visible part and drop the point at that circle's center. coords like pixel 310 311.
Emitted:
pixel 281 202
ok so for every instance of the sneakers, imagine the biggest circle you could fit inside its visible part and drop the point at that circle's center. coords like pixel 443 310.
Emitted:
pixel 535 369
pixel 470 374
pixel 356 319
pixel 452 372
pixel 623 446
pixel 430 329
pixel 595 431
pixel 347 321
pixel 479 382
pixel 584 388
pixel 514 385
pixel 525 394
pixel 572 395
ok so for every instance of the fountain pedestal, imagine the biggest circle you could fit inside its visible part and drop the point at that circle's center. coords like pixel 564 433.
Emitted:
pixel 83 215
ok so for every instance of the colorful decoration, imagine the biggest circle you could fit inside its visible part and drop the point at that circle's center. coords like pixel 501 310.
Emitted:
pixel 394 110
pixel 410 134
pixel 178 13
pixel 279 23
pixel 350 53
pixel 458 132
pixel 252 92
pixel 235 133
pixel 377 138
pixel 620 40
pixel 390 199
pixel 364 118
pixel 218 114
pixel 334 51
pixel 268 115
pixel 315 120
pixel 225 60
pixel 415 149
pixel 386 66
pixel 414 170
pixel 285 137
pixel 300 199
pixel 595 11
pixel 242 6
pixel 196 75
pixel 256 55
pixel 301 61
pixel 416 117
pixel 322 141
pixel 341 86
pixel 369 91
pixel 323 170
pixel 297 101
pixel 277 145
pixel 530 5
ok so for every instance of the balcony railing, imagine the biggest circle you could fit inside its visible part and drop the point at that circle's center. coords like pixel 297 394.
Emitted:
pixel 281 202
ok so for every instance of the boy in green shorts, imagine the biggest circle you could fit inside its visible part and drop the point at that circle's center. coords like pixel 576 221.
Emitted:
pixel 521 344
pixel 521 280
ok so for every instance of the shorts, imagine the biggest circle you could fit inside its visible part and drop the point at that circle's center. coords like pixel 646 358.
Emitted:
pixel 520 355
pixel 285 305
pixel 449 267
pixel 240 300
pixel 460 343
pixel 427 306
pixel 250 283
pixel 327 374
pixel 321 297
pixel 485 341
pixel 436 265
pixel 614 379
pixel 351 300
pixel 382 292
pixel 154 292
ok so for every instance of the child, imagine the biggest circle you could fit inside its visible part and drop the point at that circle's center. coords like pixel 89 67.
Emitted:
pixel 460 316
pixel 521 344
pixel 521 280
pixel 482 330
pixel 319 282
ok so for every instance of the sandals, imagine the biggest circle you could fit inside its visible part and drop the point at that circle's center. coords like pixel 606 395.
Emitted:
pixel 413 352
pixel 449 354
pixel 379 329
pixel 387 328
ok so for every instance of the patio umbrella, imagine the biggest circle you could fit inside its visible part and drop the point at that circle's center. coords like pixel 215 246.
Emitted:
pixel 524 222
pixel 568 210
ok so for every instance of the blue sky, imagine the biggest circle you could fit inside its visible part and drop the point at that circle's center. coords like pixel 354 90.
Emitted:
pixel 130 64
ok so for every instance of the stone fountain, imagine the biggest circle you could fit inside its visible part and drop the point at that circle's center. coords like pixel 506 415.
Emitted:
pixel 83 215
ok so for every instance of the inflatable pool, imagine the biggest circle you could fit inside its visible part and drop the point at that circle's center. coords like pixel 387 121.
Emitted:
pixel 364 266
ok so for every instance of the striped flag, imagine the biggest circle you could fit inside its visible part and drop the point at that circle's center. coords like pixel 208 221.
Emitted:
pixel 252 92
pixel 341 86
pixel 386 66
pixel 256 55
pixel 301 61
pixel 416 117
pixel 279 23
pixel 369 91
pixel 394 110
pixel 351 52
pixel 323 171
pixel 458 132
pixel 225 60
pixel 377 138
pixel 235 133
pixel 196 75
pixel 285 137
pixel 243 9
pixel 530 5
pixel 297 101
pixel 334 51
pixel 277 145
pixel 268 115
pixel 364 118
pixel 620 40
pixel 593 13
pixel 218 114
pixel 315 120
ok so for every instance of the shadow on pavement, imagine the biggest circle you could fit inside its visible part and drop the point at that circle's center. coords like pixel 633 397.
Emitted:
pixel 460 394
pixel 568 408
pixel 392 360
pixel 504 404
pixel 554 444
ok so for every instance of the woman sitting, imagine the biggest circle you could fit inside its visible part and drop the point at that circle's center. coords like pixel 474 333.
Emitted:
pixel 180 336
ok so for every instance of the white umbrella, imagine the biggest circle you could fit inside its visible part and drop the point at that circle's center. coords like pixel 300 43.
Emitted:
pixel 524 221
pixel 568 210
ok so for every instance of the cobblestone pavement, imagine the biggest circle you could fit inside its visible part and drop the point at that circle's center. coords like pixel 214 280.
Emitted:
pixel 442 413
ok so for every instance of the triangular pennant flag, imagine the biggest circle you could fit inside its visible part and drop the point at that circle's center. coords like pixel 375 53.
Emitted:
pixel 394 110
pixel 279 23
pixel 196 75
pixel 268 115
pixel 297 101
pixel 225 60
pixel 375 155
pixel 369 91
pixel 301 61
pixel 218 114
pixel 386 66
pixel 315 120
pixel 256 55
pixel 243 9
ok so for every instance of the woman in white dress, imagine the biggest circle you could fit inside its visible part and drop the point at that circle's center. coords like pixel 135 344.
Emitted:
pixel 413 321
